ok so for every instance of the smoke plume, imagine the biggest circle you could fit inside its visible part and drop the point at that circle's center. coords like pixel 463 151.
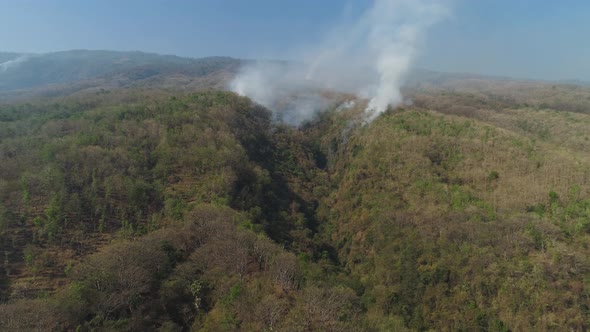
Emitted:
pixel 369 57
pixel 4 66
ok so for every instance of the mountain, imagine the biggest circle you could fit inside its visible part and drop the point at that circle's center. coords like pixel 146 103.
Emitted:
pixel 70 71
pixel 149 206
pixel 136 211
pixel 26 76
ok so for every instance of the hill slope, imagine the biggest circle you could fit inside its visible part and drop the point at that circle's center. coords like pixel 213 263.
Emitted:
pixel 455 223
pixel 466 211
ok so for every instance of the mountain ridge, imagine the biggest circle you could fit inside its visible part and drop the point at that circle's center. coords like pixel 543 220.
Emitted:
pixel 36 74
pixel 36 71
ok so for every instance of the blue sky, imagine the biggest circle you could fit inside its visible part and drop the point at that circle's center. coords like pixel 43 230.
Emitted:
pixel 519 38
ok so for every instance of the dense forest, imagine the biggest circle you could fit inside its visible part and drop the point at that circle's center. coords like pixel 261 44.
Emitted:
pixel 138 210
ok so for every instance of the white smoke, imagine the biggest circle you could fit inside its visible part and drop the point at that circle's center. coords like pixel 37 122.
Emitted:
pixel 4 66
pixel 282 88
pixel 370 58
pixel 396 28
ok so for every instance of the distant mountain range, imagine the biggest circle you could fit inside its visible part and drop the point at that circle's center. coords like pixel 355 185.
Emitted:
pixel 44 74
pixel 67 72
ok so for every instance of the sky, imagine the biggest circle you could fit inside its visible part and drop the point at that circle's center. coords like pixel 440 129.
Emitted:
pixel 539 39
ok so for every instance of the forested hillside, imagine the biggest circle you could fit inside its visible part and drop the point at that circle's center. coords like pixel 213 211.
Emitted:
pixel 49 75
pixel 136 210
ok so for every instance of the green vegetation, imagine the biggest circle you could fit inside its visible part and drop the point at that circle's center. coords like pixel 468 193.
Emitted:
pixel 133 210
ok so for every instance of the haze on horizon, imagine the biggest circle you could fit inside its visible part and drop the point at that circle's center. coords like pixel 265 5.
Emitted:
pixel 518 38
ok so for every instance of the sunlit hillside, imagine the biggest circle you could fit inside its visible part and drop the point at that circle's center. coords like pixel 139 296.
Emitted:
pixel 139 209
